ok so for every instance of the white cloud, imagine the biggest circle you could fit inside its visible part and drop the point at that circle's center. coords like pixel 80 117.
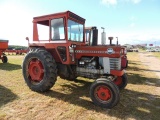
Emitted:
pixel 109 2
pixel 133 1
pixel 115 2
pixel 136 1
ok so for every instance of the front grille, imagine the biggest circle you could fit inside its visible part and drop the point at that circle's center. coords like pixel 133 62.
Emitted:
pixel 115 63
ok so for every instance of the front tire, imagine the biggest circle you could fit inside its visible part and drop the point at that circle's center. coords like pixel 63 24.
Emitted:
pixel 104 93
pixel 39 70
pixel 121 81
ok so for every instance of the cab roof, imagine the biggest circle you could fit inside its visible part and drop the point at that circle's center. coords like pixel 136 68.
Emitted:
pixel 67 14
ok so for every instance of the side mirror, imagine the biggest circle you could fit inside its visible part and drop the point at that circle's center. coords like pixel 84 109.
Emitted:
pixel 27 38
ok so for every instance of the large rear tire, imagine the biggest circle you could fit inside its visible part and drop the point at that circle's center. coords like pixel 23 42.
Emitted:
pixel 121 81
pixel 104 93
pixel 39 70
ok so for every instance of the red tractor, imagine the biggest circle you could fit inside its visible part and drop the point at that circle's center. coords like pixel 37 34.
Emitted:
pixel 66 54
pixel 3 47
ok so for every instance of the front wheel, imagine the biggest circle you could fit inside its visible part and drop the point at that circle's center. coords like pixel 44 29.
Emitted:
pixel 39 70
pixel 121 81
pixel 104 93
pixel 4 59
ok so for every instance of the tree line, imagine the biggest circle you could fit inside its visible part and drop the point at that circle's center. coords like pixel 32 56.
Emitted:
pixel 16 47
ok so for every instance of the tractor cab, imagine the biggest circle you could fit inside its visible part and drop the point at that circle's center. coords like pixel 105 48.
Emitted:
pixel 65 27
pixel 59 33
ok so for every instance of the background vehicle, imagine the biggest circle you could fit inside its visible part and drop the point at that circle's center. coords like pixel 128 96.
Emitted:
pixel 157 50
pixel 17 52
pixel 150 50
pixel 66 54
pixel 3 47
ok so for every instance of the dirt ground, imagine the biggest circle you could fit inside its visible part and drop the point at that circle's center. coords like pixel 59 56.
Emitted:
pixel 153 65
pixel 151 62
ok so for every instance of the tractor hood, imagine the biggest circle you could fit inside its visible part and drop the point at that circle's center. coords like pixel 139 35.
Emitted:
pixel 101 51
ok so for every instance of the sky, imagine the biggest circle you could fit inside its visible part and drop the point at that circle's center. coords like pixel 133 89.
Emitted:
pixel 132 21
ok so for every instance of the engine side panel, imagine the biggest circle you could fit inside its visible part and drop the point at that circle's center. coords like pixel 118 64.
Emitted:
pixel 106 65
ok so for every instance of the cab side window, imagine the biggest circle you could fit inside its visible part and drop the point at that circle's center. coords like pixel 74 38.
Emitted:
pixel 57 29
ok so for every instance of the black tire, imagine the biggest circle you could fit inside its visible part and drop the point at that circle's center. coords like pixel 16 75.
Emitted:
pixel 48 75
pixel 110 87
pixel 123 81
pixel 4 59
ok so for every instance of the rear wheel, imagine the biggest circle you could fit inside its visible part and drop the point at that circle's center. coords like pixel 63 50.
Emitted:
pixel 39 70
pixel 104 93
pixel 121 81
pixel 4 59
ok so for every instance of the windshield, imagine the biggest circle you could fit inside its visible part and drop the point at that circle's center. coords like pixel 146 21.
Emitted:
pixel 75 31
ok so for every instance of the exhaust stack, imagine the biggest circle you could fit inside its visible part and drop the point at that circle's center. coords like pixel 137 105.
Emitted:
pixel 95 36
pixel 103 36
pixel 117 40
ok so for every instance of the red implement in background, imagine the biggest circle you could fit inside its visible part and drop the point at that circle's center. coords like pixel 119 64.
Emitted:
pixel 3 47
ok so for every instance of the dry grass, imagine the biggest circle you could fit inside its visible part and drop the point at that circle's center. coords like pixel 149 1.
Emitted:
pixel 70 100
pixel 156 54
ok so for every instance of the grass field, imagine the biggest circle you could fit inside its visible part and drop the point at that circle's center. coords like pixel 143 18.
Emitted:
pixel 70 100
pixel 156 54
